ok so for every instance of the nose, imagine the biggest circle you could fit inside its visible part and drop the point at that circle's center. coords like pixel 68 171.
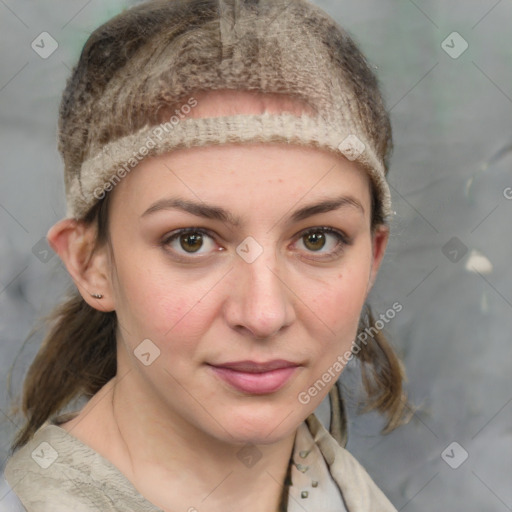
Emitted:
pixel 260 300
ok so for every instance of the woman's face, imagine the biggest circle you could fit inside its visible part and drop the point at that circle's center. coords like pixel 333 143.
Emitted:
pixel 247 309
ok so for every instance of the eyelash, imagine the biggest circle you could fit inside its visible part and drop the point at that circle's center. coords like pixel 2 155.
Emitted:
pixel 343 240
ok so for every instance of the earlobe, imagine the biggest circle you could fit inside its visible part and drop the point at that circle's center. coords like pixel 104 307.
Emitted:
pixel 74 242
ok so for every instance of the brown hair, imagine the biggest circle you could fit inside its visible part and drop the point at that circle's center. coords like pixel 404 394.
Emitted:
pixel 78 355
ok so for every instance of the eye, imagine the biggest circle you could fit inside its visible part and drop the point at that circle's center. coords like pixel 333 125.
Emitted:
pixel 189 241
pixel 316 239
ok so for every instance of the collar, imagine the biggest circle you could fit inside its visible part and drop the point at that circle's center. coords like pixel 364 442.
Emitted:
pixel 359 491
pixel 324 475
pixel 312 487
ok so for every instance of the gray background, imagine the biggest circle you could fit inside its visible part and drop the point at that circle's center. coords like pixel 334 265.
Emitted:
pixel 451 170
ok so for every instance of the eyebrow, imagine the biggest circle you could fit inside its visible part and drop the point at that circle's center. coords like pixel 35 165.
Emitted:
pixel 218 213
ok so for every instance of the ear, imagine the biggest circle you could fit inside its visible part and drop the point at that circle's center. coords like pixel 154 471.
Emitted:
pixel 74 241
pixel 379 243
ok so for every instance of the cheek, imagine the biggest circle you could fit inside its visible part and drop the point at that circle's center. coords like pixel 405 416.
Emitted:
pixel 337 301
pixel 161 305
pixel 336 322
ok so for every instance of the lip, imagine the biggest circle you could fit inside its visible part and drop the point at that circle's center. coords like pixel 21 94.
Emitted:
pixel 256 378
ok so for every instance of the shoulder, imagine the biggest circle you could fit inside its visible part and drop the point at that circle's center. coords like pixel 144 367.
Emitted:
pixel 56 472
pixel 359 491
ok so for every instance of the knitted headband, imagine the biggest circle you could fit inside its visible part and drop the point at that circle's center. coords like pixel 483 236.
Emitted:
pixel 155 56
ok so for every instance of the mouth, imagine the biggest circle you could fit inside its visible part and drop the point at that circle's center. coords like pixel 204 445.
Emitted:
pixel 256 378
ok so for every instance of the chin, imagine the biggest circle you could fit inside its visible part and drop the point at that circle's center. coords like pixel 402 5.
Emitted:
pixel 262 425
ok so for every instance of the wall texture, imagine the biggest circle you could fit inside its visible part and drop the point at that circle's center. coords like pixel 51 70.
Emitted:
pixel 446 71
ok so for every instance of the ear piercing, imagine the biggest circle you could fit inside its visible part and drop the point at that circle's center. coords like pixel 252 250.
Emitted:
pixel 97 295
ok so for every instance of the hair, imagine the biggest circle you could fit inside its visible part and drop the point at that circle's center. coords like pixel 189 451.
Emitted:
pixel 77 356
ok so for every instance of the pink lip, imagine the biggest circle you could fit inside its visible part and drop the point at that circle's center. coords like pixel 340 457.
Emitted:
pixel 256 378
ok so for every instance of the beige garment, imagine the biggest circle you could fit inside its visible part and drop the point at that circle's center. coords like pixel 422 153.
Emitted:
pixel 56 472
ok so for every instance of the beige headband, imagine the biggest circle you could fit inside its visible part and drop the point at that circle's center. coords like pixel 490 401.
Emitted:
pixel 101 173
pixel 287 47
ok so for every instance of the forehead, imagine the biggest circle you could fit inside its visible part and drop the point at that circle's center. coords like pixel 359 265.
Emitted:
pixel 254 182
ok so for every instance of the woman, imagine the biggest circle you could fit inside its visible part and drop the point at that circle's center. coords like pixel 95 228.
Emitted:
pixel 225 170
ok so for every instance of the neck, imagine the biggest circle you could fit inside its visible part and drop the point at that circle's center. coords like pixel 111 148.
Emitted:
pixel 178 466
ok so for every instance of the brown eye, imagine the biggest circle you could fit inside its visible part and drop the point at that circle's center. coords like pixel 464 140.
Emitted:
pixel 314 241
pixel 189 241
